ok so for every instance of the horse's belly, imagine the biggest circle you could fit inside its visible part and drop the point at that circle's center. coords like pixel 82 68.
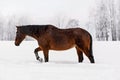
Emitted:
pixel 61 42
pixel 62 46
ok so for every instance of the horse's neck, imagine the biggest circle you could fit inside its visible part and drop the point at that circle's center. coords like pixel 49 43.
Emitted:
pixel 30 34
pixel 33 36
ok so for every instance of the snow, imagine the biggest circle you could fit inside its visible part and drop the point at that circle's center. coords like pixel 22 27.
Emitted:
pixel 18 63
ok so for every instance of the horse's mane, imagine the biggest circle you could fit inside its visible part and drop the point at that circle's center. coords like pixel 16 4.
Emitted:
pixel 34 29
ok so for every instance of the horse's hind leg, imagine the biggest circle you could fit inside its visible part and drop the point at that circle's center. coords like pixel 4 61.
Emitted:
pixel 80 54
pixel 90 56
pixel 36 54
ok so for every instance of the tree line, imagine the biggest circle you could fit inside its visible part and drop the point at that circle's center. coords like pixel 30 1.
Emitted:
pixel 103 23
pixel 106 20
pixel 8 25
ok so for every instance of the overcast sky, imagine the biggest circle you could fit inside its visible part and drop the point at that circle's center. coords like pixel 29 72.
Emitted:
pixel 78 9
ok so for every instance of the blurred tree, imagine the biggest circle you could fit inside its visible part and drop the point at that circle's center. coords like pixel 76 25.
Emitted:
pixel 1 27
pixel 102 22
pixel 61 21
pixel 72 23
pixel 112 18
pixel 118 20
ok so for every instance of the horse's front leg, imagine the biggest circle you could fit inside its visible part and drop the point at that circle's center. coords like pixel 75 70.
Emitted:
pixel 46 55
pixel 36 54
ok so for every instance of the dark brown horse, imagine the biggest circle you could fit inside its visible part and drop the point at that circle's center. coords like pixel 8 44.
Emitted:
pixel 50 37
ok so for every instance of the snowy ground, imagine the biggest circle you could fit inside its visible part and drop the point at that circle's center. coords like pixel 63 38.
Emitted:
pixel 18 63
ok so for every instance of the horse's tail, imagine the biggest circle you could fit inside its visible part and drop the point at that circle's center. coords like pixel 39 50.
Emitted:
pixel 91 49
pixel 91 45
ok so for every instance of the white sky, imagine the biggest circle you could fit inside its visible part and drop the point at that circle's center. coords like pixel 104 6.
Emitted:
pixel 48 8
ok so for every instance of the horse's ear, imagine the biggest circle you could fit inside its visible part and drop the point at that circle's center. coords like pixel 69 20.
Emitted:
pixel 17 26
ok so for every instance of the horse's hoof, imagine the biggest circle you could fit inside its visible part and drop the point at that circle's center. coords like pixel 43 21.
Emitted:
pixel 40 59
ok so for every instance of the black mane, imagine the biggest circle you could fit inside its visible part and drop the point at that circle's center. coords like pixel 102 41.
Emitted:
pixel 34 29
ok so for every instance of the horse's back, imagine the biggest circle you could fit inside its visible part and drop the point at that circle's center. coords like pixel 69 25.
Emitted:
pixel 61 39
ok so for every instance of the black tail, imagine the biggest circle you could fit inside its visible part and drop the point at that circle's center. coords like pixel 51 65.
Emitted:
pixel 91 51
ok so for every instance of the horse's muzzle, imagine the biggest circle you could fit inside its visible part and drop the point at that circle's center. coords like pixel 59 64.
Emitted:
pixel 16 44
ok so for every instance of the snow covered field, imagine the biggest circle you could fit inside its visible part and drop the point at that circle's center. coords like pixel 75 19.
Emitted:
pixel 19 63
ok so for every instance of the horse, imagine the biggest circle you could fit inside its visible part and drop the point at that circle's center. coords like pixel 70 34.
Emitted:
pixel 49 37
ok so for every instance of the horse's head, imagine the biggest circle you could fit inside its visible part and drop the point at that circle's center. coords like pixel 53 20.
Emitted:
pixel 19 36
